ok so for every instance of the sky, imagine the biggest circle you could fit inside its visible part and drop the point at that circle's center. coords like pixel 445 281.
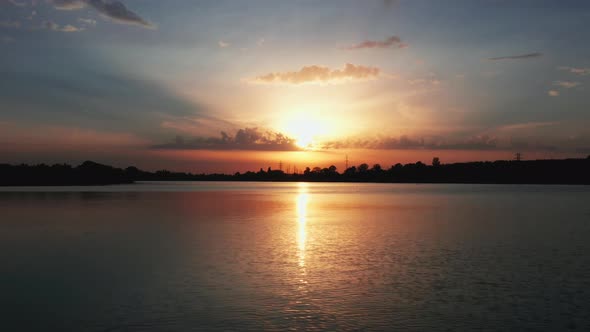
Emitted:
pixel 226 86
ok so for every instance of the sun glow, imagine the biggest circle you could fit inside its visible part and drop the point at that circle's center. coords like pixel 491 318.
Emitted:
pixel 302 200
pixel 305 129
pixel 304 133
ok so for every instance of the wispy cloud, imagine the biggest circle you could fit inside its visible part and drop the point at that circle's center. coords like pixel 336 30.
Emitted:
pixel 112 9
pixel 319 74
pixel 517 57
pixel 244 139
pixel 49 25
pixel 553 93
pixel 566 84
pixel 424 82
pixel 68 4
pixel 17 3
pixel 87 21
pixel 576 70
pixel 393 41
pixel 527 125
pixel 222 44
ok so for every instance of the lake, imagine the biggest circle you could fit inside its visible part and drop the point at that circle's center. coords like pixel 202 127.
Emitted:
pixel 217 256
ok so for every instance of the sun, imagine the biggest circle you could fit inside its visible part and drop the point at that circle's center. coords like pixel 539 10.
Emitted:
pixel 306 126
pixel 304 141
pixel 304 133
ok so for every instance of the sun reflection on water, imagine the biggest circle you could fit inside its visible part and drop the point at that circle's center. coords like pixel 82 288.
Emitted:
pixel 301 203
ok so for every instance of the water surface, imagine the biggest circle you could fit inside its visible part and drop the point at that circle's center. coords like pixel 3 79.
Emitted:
pixel 293 256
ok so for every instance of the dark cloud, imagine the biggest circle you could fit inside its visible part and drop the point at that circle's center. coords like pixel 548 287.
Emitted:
pixel 482 142
pixel 517 57
pixel 393 41
pixel 319 74
pixel 244 139
pixel 118 12
pixel 112 9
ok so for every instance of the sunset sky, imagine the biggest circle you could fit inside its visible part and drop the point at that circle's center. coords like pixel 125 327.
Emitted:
pixel 231 86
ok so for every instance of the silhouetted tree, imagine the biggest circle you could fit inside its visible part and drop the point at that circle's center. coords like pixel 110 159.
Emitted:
pixel 350 171
pixel 435 162
pixel 566 171
pixel 376 168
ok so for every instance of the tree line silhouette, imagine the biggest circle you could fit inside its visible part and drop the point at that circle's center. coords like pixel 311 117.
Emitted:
pixel 564 171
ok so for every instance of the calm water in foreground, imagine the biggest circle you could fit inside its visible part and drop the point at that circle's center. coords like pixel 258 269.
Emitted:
pixel 295 256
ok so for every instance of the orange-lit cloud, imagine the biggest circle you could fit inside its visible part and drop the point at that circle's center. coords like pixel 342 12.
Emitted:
pixel 319 74
pixel 393 42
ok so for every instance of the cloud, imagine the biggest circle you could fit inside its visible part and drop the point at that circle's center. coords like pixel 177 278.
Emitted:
pixel 68 4
pixel 87 21
pixel 70 28
pixel 319 74
pixel 424 82
pixel 577 71
pixel 260 42
pixel 517 57
pixel 49 25
pixel 16 3
pixel 223 44
pixel 112 9
pixel 566 84
pixel 244 139
pixel 478 142
pixel 553 93
pixel 393 41
pixel 527 125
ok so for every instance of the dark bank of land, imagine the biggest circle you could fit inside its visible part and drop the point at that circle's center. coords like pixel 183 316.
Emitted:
pixel 564 171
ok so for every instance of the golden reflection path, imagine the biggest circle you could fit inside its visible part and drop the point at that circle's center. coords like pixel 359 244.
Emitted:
pixel 302 200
